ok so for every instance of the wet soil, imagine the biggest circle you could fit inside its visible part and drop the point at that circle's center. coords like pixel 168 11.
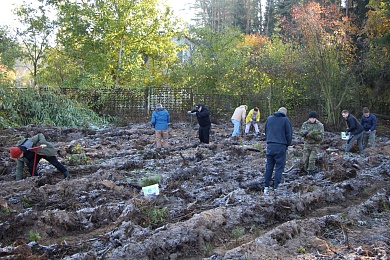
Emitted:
pixel 210 203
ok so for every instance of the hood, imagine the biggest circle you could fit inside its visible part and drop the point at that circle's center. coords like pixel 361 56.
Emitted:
pixel 279 114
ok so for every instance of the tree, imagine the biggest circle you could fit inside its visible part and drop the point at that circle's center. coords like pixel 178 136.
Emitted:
pixel 35 35
pixel 326 52
pixel 117 42
pixel 9 49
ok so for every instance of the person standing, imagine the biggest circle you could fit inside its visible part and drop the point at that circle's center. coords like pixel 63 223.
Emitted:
pixel 312 131
pixel 253 118
pixel 31 151
pixel 203 116
pixel 278 132
pixel 355 129
pixel 238 118
pixel 160 121
pixel 368 121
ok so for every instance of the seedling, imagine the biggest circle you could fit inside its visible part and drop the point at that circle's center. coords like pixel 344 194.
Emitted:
pixel 34 236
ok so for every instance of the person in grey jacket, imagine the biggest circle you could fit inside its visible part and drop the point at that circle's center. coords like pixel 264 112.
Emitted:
pixel 30 151
pixel 160 121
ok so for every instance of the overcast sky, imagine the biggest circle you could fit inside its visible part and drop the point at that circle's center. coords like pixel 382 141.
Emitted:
pixel 181 8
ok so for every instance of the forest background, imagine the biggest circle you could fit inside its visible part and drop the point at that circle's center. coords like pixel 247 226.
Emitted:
pixel 119 57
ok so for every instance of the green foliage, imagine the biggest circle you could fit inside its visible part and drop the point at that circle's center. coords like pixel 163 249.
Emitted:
pixel 208 249
pixel 9 49
pixel 24 107
pixel 5 211
pixel 34 236
pixel 302 250
pixel 26 202
pixel 238 232
pixel 150 180
pixel 123 42
pixel 35 34
pixel 153 216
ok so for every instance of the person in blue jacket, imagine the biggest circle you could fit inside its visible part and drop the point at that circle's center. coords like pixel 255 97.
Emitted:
pixel 278 132
pixel 160 121
pixel 368 121
pixel 355 130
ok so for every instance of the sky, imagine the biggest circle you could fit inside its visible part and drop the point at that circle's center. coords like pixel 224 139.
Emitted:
pixel 180 7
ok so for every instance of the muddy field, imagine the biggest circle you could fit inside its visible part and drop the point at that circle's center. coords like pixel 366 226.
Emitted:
pixel 210 205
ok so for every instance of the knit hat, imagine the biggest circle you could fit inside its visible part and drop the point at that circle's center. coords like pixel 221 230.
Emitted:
pixel 283 110
pixel 365 110
pixel 15 152
pixel 312 114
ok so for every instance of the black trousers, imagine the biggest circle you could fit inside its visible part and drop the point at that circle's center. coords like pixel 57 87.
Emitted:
pixel 51 159
pixel 204 134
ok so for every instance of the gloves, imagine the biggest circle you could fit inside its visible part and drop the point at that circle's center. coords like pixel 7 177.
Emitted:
pixel 305 132
pixel 189 113
pixel 368 132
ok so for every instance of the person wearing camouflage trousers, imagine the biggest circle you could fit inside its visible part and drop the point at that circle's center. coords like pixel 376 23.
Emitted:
pixel 312 131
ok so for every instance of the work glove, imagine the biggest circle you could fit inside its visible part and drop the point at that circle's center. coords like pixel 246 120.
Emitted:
pixel 368 132
pixel 189 113
pixel 305 132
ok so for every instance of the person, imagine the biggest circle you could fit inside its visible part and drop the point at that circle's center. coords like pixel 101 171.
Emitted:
pixel 355 129
pixel 30 151
pixel 203 116
pixel 368 121
pixel 238 118
pixel 160 121
pixel 278 133
pixel 253 118
pixel 312 131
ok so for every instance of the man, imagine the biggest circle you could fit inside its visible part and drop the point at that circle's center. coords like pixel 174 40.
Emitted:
pixel 355 129
pixel 253 118
pixel 368 121
pixel 31 151
pixel 312 131
pixel 278 132
pixel 203 116
pixel 160 121
pixel 238 118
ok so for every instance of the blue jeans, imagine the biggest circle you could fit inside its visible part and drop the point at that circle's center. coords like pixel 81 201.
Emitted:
pixel 236 130
pixel 276 158
pixel 358 138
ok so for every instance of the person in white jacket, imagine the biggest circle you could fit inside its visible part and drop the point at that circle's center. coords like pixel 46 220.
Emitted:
pixel 238 118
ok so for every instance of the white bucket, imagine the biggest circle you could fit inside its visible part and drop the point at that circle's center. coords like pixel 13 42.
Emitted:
pixel 344 136
pixel 151 190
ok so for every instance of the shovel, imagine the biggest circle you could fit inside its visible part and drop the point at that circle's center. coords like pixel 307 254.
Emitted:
pixel 35 150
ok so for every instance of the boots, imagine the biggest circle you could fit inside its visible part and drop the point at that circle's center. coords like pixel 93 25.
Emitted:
pixel 66 175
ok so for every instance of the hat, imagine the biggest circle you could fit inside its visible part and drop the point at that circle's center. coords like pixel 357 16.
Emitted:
pixel 15 152
pixel 198 106
pixel 312 114
pixel 283 110
pixel 365 110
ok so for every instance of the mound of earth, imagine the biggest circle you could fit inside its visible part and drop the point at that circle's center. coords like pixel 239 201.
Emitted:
pixel 210 203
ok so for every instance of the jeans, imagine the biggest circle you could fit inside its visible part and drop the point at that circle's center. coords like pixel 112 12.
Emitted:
pixel 358 138
pixel 276 158
pixel 369 139
pixel 236 130
pixel 248 126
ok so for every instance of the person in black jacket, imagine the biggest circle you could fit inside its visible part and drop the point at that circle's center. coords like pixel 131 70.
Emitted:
pixel 203 116
pixel 278 132
pixel 355 129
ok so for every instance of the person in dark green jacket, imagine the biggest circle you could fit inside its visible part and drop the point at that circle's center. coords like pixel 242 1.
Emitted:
pixel 312 131
pixel 33 150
